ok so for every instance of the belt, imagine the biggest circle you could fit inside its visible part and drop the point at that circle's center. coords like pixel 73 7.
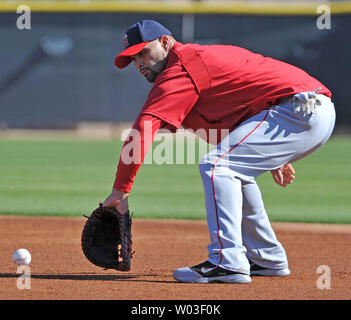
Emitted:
pixel 285 99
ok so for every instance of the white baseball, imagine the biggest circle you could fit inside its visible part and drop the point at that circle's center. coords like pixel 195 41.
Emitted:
pixel 21 257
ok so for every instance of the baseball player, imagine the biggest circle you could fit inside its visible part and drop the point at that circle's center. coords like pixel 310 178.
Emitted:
pixel 274 114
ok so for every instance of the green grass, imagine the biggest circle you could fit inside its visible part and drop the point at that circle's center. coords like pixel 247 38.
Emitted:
pixel 70 177
pixel 322 188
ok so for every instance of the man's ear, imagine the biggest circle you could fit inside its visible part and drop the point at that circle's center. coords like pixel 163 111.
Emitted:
pixel 165 43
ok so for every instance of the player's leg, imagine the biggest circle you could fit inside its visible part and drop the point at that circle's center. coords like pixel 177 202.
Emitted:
pixel 284 136
pixel 224 171
pixel 227 261
pixel 265 142
pixel 223 199
pixel 265 253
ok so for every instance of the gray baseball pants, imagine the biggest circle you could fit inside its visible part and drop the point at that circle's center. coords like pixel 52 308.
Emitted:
pixel 239 227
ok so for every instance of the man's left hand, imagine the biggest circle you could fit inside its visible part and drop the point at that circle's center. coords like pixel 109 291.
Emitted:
pixel 284 175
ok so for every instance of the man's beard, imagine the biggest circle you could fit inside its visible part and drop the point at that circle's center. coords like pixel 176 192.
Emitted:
pixel 159 66
pixel 151 75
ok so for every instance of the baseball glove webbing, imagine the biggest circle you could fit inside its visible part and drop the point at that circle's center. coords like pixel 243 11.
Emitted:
pixel 107 239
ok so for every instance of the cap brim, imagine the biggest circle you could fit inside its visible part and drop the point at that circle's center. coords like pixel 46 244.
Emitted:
pixel 123 59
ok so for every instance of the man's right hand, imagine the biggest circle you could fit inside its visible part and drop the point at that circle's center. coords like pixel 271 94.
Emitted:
pixel 117 199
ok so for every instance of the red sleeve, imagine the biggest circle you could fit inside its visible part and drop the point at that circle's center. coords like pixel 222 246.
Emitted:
pixel 173 94
pixel 135 149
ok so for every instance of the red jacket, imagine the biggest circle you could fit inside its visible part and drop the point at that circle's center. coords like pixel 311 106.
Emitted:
pixel 212 87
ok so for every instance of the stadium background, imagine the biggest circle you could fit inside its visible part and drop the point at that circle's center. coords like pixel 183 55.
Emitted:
pixel 40 89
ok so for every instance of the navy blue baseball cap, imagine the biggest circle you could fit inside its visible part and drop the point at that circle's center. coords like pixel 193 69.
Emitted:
pixel 137 37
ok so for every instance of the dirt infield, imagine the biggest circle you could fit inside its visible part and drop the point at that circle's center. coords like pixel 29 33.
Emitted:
pixel 59 270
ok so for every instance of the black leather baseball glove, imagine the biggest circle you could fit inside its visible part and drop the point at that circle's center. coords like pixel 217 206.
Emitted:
pixel 107 239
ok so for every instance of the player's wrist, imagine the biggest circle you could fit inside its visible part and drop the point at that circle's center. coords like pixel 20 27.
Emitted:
pixel 120 193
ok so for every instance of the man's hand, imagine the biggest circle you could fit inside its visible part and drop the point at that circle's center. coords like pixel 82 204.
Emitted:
pixel 117 199
pixel 284 175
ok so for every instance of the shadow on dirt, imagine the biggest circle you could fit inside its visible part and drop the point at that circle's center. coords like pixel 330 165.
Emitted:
pixel 83 277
